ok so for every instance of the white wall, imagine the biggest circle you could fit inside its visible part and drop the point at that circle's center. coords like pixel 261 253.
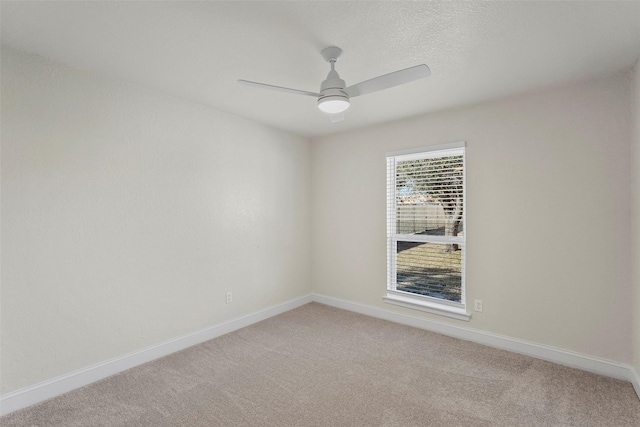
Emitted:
pixel 548 219
pixel 127 215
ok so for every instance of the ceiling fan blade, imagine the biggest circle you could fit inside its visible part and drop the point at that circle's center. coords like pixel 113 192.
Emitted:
pixel 336 117
pixel 389 80
pixel 278 88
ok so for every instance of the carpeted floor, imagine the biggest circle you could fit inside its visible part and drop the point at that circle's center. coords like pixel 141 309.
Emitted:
pixel 321 366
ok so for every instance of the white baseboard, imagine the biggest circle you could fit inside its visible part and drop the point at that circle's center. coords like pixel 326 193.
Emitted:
pixel 36 393
pixel 552 354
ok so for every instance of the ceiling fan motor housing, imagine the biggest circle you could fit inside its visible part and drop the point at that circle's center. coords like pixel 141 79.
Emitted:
pixel 333 98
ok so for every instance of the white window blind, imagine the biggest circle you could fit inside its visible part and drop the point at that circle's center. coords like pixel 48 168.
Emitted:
pixel 425 224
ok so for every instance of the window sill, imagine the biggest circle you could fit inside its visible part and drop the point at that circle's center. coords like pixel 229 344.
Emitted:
pixel 429 307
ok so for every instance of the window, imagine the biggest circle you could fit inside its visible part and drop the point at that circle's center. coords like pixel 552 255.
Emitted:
pixel 426 229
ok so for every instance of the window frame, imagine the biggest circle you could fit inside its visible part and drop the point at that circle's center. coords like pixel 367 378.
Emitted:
pixel 453 309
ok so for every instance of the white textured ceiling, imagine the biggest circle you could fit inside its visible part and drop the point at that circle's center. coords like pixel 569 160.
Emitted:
pixel 197 50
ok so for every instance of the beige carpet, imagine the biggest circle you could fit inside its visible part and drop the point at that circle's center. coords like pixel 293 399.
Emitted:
pixel 320 366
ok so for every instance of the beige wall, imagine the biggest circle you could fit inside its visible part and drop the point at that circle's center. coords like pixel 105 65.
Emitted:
pixel 636 225
pixel 548 219
pixel 127 215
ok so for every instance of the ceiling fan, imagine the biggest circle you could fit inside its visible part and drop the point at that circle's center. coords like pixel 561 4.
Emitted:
pixel 334 95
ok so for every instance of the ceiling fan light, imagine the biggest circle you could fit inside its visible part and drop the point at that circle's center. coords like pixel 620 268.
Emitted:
pixel 333 104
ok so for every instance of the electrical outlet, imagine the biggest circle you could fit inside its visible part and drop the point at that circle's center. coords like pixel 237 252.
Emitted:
pixel 478 305
pixel 229 297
